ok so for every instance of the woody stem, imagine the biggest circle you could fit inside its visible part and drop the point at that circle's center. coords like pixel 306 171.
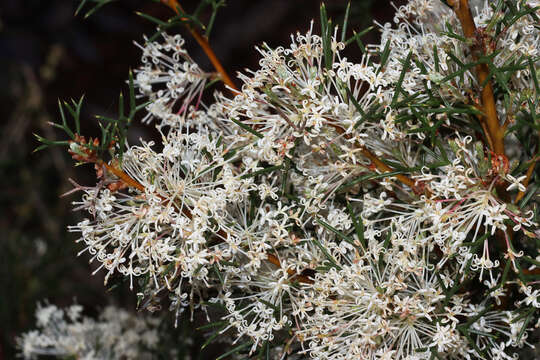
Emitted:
pixel 490 118
pixel 490 121
pixel 378 163
pixel 205 45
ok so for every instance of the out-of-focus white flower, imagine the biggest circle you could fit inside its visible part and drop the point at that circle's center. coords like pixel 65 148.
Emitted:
pixel 116 334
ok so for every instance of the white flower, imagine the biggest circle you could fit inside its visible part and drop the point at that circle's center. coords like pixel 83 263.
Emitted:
pixel 115 334
pixel 170 80
pixel 516 183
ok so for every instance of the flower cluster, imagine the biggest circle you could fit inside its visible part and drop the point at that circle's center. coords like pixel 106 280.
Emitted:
pixel 170 80
pixel 342 209
pixel 66 333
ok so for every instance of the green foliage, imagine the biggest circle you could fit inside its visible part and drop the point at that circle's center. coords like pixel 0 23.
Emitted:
pixel 113 130
pixel 94 5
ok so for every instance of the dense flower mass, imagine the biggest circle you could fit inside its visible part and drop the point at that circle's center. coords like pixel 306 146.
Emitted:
pixel 378 207
pixel 66 333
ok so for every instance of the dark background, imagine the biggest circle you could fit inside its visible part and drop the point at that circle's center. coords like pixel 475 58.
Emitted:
pixel 46 54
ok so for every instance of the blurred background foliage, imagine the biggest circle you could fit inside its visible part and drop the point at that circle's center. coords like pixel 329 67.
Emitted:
pixel 46 54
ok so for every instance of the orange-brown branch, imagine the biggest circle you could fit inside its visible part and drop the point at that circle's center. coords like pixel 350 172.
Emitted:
pixel 205 45
pixel 491 120
pixel 378 163
pixel 383 167
pixel 301 278
pixel 486 133
pixel 128 180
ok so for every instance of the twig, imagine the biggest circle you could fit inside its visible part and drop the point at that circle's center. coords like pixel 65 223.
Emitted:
pixel 486 133
pixel 383 167
pixel 378 163
pixel 128 180
pixel 205 45
pixel 463 12
pixel 490 120
pixel 301 278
